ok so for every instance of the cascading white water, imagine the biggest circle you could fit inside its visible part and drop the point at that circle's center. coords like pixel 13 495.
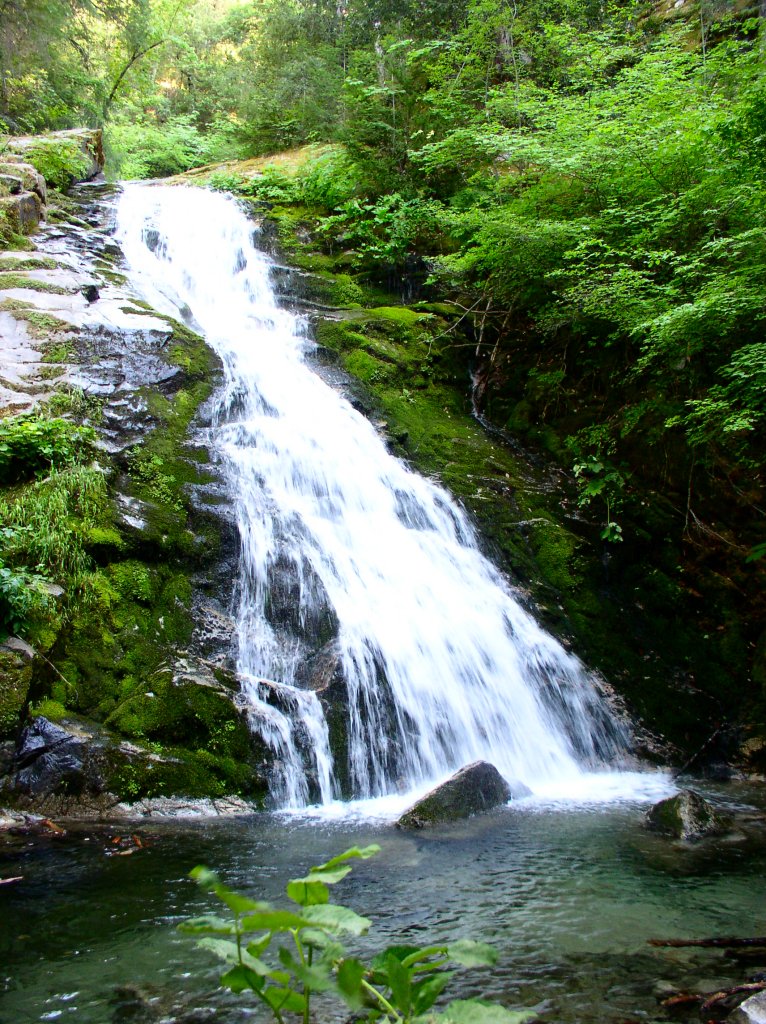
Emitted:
pixel 442 665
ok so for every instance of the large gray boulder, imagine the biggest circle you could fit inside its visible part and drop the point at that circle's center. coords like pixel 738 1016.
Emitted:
pixel 686 815
pixel 474 789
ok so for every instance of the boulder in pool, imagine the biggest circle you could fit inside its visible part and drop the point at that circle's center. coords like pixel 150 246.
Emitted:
pixel 686 815
pixel 474 789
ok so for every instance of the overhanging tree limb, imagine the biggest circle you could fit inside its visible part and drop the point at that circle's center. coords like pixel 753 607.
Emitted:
pixel 136 55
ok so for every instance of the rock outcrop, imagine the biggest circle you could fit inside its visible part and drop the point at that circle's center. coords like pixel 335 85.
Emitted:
pixel 686 815
pixel 474 789
pixel 68 157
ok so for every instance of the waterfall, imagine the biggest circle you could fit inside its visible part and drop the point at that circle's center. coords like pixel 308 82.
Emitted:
pixel 351 557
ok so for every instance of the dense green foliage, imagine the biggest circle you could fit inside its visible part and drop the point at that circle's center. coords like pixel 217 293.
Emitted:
pixel 30 443
pixel 400 985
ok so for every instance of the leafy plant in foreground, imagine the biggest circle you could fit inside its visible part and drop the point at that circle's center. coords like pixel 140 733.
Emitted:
pixel 400 985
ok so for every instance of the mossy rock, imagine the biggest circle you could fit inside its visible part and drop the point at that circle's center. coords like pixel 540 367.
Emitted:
pixel 687 816
pixel 474 789
pixel 15 680
pixel 74 764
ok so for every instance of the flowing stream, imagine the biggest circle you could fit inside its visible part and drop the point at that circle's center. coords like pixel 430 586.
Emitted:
pixel 440 664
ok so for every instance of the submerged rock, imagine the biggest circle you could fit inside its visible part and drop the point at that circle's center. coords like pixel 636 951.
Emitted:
pixel 686 815
pixel 474 789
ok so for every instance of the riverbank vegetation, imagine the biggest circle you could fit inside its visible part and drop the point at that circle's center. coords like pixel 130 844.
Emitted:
pixel 573 192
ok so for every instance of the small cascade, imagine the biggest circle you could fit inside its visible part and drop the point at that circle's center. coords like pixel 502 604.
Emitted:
pixel 350 561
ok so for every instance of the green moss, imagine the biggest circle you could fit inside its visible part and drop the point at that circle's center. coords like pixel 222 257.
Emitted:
pixel 53 710
pixel 52 351
pixel 180 771
pixel 9 236
pixel 18 265
pixel 15 681
pixel 10 279
pixel 132 580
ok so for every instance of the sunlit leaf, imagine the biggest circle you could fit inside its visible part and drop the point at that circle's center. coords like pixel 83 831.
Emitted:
pixel 316 977
pixel 337 919
pixel 207 925
pixel 307 892
pixel 476 1011
pixel 274 920
pixel 363 853
pixel 472 954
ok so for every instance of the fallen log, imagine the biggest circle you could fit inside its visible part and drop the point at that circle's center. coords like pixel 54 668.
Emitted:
pixel 715 943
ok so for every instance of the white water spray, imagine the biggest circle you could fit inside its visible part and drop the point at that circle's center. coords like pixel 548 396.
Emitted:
pixel 442 666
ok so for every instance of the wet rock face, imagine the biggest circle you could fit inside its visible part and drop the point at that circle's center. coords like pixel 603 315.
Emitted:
pixel 476 788
pixel 685 816
pixel 53 759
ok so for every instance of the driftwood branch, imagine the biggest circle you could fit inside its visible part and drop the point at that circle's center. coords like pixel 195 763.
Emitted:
pixel 715 943
pixel 709 1000
pixel 746 990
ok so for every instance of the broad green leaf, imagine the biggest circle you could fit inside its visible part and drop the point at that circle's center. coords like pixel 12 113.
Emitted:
pixel 207 925
pixel 307 892
pixel 236 902
pixel 257 946
pixel 315 938
pixel 204 877
pixel 329 876
pixel 272 920
pixel 316 977
pixel 241 978
pixel 363 853
pixel 477 1011
pixel 284 999
pixel 209 880
pixel 426 992
pixel 399 981
pixel 472 954
pixel 228 952
pixel 349 979
pixel 400 952
pixel 337 919
pixel 222 948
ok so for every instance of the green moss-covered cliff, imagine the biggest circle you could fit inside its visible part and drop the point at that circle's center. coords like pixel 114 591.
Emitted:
pixel 115 551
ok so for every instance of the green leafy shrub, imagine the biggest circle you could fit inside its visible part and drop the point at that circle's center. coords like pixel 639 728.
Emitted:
pixel 31 444
pixel 60 161
pixel 331 180
pixel 400 985
pixel 384 232
pixel 146 149
pixel 22 594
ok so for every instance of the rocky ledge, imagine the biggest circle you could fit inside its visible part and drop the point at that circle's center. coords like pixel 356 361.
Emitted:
pixel 67 157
